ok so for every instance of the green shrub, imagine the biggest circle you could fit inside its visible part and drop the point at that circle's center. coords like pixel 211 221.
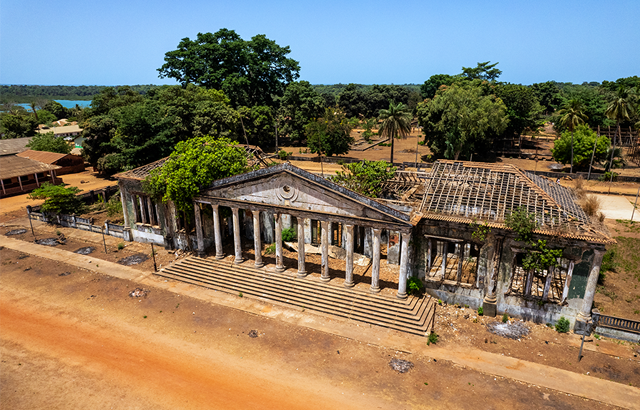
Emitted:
pixel 58 199
pixel 270 250
pixel 283 155
pixel 480 311
pixel 562 325
pixel 433 338
pixel 609 263
pixel 607 176
pixel 288 235
pixel 415 286
pixel 121 246
pixel 505 318
pixel 114 206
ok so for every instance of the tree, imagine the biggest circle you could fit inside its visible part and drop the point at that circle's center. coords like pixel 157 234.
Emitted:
pixel 17 125
pixel 396 123
pixel 250 72
pixel 298 106
pixel 548 95
pixel 523 108
pixel 59 199
pixel 366 178
pixel 57 109
pixel 329 135
pixel 619 110
pixel 483 71
pixel 48 142
pixel 352 100
pixel 461 118
pixel 582 139
pixel 258 122
pixel 429 88
pixel 193 165
pixel 572 116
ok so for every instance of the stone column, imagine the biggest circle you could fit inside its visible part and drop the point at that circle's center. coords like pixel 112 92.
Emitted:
pixel 236 236
pixel 279 264
pixel 150 209
pixel 445 257
pixel 324 247
pixel 301 271
pixel 257 240
pixel 307 230
pixel 142 214
pixel 567 283
pixel 429 256
pixel 404 265
pixel 489 303
pixel 125 209
pixel 461 247
pixel 584 316
pixel 196 209
pixel 216 232
pixel 348 277
pixel 375 267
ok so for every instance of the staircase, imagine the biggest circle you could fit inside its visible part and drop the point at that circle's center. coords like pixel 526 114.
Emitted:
pixel 413 315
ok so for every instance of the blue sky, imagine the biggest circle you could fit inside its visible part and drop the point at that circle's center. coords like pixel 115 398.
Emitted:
pixel 370 42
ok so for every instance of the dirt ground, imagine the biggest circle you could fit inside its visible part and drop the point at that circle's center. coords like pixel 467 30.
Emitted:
pixel 75 339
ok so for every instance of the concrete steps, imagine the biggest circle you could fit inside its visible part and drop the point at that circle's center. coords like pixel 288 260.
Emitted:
pixel 413 315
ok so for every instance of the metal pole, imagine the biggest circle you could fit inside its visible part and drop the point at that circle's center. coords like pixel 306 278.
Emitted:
pixel 581 345
pixel 32 232
pixel 593 154
pixel 103 240
pixel 634 204
pixel 153 253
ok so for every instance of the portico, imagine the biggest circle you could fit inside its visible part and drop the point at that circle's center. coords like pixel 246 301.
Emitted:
pixel 286 190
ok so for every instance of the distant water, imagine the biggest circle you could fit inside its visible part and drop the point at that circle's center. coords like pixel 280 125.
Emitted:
pixel 65 103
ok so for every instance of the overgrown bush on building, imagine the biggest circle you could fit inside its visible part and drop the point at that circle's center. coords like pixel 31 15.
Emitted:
pixel 415 286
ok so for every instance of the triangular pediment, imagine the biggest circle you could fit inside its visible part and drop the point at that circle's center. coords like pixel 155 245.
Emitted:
pixel 286 187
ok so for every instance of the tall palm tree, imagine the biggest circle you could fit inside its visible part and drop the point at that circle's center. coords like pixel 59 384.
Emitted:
pixel 396 122
pixel 572 116
pixel 619 110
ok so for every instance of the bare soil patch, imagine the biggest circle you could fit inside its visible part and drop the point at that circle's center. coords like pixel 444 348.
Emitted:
pixel 80 341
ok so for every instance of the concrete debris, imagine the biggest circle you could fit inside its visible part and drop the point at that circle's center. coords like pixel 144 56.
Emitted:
pixel 399 365
pixel 16 232
pixel 133 260
pixel 48 242
pixel 86 250
pixel 513 331
pixel 139 293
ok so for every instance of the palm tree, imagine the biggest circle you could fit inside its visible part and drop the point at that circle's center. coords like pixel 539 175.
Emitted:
pixel 618 110
pixel 396 122
pixel 572 116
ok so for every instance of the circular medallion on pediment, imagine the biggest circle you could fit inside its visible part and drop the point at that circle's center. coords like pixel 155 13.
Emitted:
pixel 287 193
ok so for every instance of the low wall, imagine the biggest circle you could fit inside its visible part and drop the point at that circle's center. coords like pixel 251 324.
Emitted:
pixel 84 224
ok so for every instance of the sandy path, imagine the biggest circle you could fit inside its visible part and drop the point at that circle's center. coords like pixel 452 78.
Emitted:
pixel 185 378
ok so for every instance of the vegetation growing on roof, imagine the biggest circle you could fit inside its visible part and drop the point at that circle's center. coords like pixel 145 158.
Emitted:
pixel 366 178
pixel 193 165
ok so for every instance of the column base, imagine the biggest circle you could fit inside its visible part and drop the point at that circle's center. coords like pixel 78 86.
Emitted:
pixel 349 284
pixel 374 290
pixel 489 307
pixel 280 269
pixel 258 265
pixel 238 261
pixel 325 278
pixel 218 257
pixel 201 254
pixel 402 295
pixel 581 325
pixel 302 274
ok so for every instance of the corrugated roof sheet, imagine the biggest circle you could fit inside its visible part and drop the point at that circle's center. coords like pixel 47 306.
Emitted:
pixel 14 145
pixel 14 166
pixel 42 156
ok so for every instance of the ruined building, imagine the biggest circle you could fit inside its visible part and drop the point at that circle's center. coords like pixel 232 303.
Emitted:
pixel 426 224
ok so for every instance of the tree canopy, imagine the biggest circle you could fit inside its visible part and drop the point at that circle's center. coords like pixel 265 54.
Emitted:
pixel 329 135
pixel 59 199
pixel 48 142
pixel 137 131
pixel 583 142
pixel 193 165
pixel 396 122
pixel 252 72
pixel 299 105
pixel 460 119
pixel 366 177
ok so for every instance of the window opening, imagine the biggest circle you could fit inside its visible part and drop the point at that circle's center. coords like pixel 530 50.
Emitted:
pixel 449 254
pixel 532 283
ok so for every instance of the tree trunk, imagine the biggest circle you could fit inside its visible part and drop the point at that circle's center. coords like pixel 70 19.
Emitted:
pixel 392 138
pixel 571 169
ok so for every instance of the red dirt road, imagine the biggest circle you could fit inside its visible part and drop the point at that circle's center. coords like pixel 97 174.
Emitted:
pixel 168 377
